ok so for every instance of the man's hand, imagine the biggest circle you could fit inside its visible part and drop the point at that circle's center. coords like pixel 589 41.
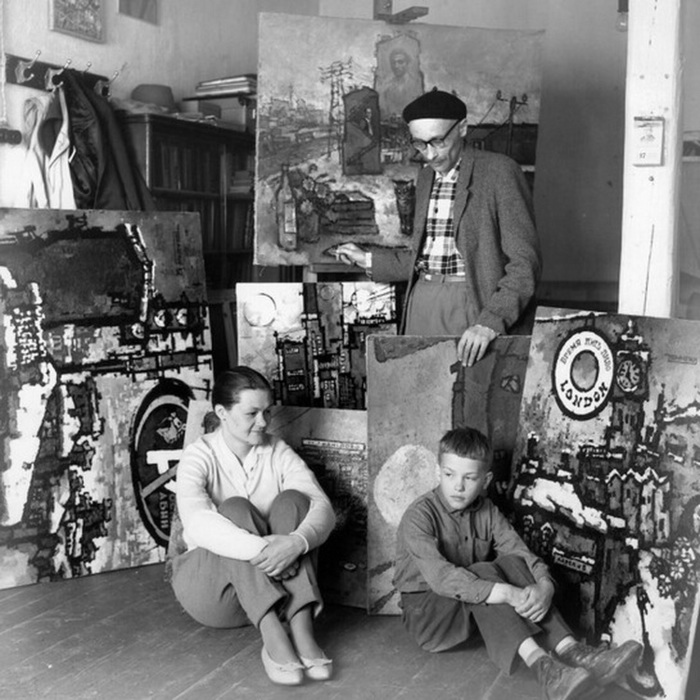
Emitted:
pixel 473 344
pixel 351 254
pixel 536 601
pixel 280 552
pixel 506 593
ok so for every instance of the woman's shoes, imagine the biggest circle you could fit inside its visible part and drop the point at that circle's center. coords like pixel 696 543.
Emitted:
pixel 317 669
pixel 291 673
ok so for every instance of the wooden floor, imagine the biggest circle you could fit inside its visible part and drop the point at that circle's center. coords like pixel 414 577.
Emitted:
pixel 123 636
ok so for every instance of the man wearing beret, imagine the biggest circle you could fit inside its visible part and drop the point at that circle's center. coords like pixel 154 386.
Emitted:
pixel 475 259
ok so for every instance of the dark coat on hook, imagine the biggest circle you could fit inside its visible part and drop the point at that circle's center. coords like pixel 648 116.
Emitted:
pixel 103 175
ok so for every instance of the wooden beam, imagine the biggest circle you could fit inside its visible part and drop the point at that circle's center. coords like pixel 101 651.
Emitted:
pixel 652 160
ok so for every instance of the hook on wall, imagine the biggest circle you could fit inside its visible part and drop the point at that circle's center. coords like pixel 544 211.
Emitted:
pixel 21 69
pixel 40 75
pixel 102 86
pixel 51 78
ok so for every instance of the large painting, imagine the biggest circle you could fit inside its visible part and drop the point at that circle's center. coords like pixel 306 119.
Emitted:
pixel 104 341
pixel 309 338
pixel 607 479
pixel 418 390
pixel 334 162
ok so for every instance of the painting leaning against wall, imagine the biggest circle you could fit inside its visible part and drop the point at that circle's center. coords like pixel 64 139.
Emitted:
pixel 606 484
pixel 104 341
pixel 309 338
pixel 417 390
pixel 331 143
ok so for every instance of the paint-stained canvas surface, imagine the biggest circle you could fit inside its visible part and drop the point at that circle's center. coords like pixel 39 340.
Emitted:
pixel 333 443
pixel 103 342
pixel 309 338
pixel 334 162
pixel 607 479
pixel 417 390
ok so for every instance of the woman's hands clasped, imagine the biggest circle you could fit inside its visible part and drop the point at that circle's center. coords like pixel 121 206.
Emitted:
pixel 279 559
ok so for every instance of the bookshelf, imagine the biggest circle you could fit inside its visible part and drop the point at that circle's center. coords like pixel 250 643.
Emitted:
pixel 191 166
pixel 208 169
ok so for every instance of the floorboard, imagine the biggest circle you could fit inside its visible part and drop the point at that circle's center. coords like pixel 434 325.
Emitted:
pixel 123 636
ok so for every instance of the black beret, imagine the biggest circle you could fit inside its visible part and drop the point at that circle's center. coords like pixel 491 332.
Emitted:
pixel 435 104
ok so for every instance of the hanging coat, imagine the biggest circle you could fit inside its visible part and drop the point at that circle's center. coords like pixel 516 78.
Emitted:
pixel 103 173
pixel 46 172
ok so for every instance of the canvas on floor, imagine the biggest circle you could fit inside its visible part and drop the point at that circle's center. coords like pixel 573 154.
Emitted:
pixel 606 481
pixel 309 338
pixel 104 340
pixel 417 390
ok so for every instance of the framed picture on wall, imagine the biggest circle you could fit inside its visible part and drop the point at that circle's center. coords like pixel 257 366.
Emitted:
pixel 147 10
pixel 81 18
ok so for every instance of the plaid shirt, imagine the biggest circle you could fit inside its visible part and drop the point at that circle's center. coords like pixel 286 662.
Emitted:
pixel 440 254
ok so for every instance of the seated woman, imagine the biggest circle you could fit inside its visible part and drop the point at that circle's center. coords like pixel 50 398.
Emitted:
pixel 252 515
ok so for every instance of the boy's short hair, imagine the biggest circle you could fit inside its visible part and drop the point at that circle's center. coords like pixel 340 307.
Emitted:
pixel 466 442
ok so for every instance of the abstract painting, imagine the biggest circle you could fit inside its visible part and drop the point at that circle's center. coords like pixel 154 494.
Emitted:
pixel 417 390
pixel 333 443
pixel 84 19
pixel 606 484
pixel 333 155
pixel 309 338
pixel 104 340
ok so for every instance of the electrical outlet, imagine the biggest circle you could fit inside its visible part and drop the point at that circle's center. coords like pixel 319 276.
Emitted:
pixel 11 136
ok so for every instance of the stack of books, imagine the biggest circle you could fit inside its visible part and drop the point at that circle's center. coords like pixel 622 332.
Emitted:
pixel 231 100
pixel 246 84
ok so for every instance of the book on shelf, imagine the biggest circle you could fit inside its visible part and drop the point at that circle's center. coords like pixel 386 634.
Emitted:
pixel 233 79
pixel 241 182
pixel 236 85
pixel 249 237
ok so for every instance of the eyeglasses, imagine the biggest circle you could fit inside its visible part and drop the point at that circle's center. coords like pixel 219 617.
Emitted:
pixel 438 142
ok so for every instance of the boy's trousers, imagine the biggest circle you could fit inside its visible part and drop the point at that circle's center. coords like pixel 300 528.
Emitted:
pixel 437 623
pixel 222 592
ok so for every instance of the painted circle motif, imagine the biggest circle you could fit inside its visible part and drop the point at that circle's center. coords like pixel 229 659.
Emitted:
pixel 583 374
pixel 156 444
pixel 260 310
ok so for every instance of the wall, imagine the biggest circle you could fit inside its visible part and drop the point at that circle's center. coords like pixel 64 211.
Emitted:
pixel 194 40
pixel 579 159
pixel 579 179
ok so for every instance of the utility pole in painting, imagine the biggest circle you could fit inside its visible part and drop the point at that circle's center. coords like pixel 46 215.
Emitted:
pixel 336 74
pixel 513 105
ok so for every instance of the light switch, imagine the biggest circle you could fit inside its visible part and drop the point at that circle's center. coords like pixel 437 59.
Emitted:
pixel 648 141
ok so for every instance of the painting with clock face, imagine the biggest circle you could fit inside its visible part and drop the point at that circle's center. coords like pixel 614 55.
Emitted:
pixel 606 479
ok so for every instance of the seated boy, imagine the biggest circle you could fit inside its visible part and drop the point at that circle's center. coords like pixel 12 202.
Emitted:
pixel 461 566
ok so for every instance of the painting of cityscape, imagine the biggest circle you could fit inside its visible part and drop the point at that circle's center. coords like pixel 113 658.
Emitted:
pixel 417 390
pixel 606 484
pixel 333 443
pixel 309 338
pixel 333 156
pixel 104 340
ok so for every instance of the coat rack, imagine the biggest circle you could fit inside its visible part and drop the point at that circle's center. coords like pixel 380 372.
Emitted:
pixel 383 10
pixel 42 76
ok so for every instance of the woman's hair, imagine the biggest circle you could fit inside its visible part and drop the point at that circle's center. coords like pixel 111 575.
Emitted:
pixel 227 391
pixel 465 442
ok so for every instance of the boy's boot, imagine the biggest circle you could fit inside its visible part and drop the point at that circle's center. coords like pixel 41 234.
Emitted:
pixel 606 664
pixel 562 682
